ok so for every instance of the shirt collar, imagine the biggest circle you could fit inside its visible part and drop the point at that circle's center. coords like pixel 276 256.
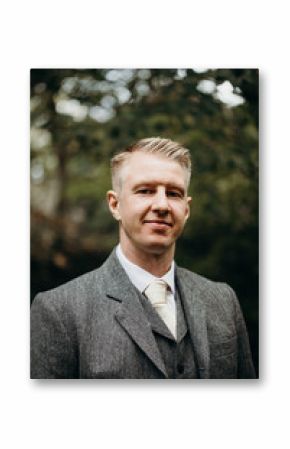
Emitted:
pixel 142 278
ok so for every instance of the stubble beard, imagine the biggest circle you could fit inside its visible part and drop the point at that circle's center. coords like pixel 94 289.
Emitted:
pixel 144 246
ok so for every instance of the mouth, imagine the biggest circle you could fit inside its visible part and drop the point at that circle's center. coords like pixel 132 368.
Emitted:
pixel 161 223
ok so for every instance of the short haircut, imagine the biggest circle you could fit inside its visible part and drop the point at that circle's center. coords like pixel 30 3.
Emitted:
pixel 154 145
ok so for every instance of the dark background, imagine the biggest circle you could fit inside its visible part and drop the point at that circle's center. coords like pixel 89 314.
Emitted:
pixel 80 118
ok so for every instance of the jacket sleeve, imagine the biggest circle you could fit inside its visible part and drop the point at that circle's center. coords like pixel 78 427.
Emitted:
pixel 246 368
pixel 53 353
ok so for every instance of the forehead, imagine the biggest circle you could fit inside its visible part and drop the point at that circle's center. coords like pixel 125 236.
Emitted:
pixel 152 168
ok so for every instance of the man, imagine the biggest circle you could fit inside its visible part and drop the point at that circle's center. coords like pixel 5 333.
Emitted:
pixel 139 315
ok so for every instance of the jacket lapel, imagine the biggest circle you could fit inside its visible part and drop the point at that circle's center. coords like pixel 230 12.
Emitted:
pixel 130 315
pixel 195 313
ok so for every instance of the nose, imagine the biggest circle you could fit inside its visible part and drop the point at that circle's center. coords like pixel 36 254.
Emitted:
pixel 160 201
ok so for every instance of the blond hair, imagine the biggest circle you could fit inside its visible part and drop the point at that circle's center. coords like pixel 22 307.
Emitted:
pixel 154 145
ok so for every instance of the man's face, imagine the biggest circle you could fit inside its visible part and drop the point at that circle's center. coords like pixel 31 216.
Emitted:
pixel 151 206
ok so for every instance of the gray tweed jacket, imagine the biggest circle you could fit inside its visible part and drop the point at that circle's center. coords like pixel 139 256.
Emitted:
pixel 95 327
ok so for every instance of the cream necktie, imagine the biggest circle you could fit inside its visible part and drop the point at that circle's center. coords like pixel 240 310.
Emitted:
pixel 156 292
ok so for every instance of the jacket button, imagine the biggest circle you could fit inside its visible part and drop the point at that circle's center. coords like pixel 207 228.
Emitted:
pixel 180 368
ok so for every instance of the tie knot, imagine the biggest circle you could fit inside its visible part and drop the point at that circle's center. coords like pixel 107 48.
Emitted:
pixel 156 292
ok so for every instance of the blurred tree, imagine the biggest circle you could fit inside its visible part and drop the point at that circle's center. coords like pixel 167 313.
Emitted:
pixel 80 118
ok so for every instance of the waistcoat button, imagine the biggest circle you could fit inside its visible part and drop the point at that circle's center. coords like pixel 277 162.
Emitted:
pixel 180 368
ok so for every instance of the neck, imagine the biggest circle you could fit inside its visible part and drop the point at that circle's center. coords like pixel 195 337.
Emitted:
pixel 157 264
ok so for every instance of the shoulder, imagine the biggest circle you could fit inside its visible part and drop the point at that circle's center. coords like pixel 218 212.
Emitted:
pixel 78 295
pixel 211 292
pixel 75 294
pixel 190 278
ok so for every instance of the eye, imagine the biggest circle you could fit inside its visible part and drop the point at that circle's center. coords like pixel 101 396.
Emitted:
pixel 144 191
pixel 174 194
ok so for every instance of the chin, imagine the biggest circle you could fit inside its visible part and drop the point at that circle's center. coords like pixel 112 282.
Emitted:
pixel 157 247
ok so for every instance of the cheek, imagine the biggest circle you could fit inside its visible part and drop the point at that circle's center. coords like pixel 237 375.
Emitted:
pixel 133 208
pixel 180 212
pixel 181 215
pixel 131 211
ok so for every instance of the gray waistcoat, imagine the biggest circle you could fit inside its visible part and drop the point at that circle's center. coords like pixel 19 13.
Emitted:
pixel 178 355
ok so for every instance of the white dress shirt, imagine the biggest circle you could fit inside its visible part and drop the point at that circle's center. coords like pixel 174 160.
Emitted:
pixel 142 278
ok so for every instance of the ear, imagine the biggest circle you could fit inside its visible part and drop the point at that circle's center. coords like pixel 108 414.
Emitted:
pixel 113 203
pixel 188 201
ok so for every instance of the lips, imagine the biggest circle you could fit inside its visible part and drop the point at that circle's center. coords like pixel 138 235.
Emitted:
pixel 159 222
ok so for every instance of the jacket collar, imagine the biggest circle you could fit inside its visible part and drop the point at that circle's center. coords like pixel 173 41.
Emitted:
pixel 131 315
